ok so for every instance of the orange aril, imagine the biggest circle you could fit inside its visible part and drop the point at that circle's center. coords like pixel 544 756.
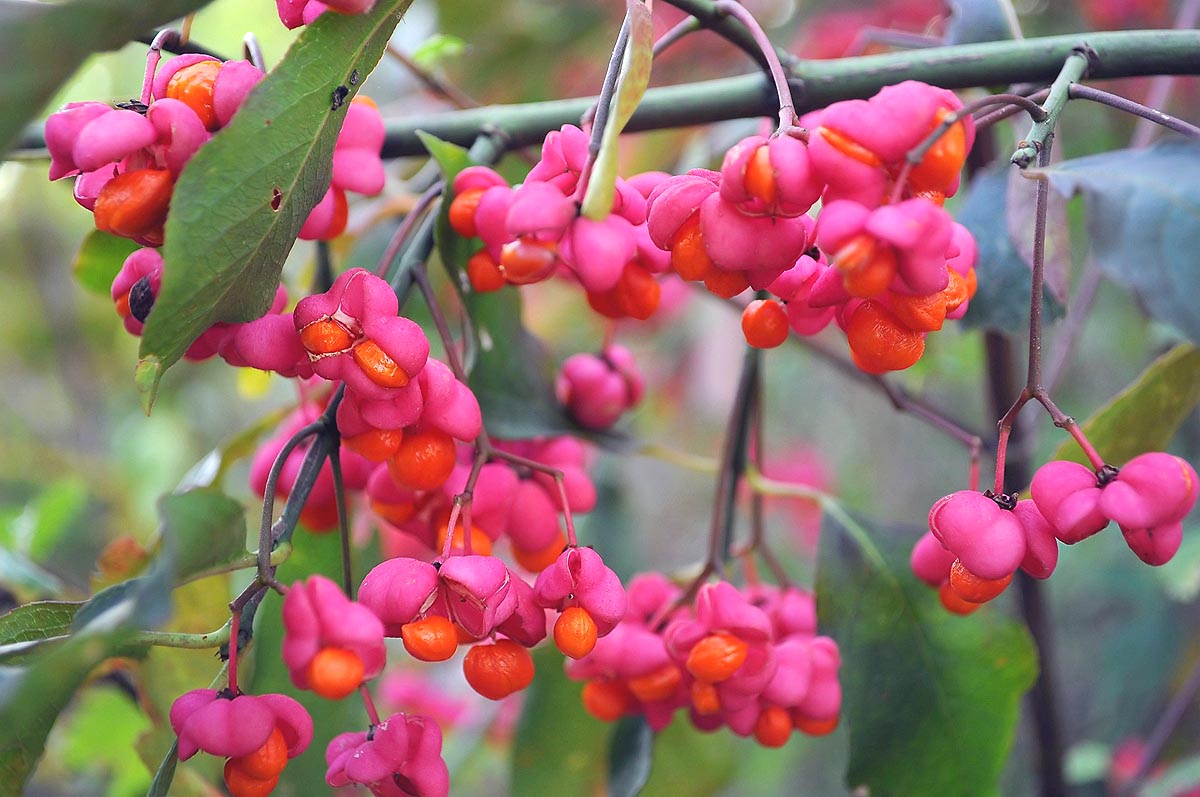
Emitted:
pixel 705 699
pixel 972 588
pixel 759 181
pixel 774 727
pixel 920 313
pixel 957 290
pixel 849 147
pixel 240 784
pixel 953 603
pixel 689 258
pixel 942 163
pixel 481 543
pixel 867 267
pixel 716 657
pixel 765 323
pixel 575 632
pixel 424 460
pixel 375 444
pixel 526 261
pixel 319 518
pixel 378 365
pixel 879 342
pixel 462 212
pixel 395 514
pixel 726 284
pixel 483 273
pixel 267 761
pixel 135 204
pixel 433 638
pixel 193 86
pixel 817 727
pixel 498 669
pixel 325 336
pixel 637 293
pixel 335 672
pixel 606 700
pixel 658 684
pixel 537 561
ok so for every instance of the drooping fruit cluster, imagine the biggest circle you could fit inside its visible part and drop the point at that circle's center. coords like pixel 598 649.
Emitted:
pixel 882 258
pixel 748 659
pixel 1148 498
pixel 535 230
pixel 597 388
pixel 258 734
pixel 519 504
pixel 477 600
pixel 977 541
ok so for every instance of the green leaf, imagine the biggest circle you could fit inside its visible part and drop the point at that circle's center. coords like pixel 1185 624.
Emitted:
pixel 559 747
pixel 207 529
pixel 631 86
pixel 688 761
pixel 1146 414
pixel 1143 221
pixel 99 259
pixel 32 697
pixel 1002 300
pixel 38 620
pixel 101 735
pixel 931 698
pixel 161 785
pixel 630 754
pixel 35 62
pixel 242 199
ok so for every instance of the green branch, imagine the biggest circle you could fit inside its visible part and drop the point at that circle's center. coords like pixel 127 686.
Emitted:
pixel 818 83
pixel 814 84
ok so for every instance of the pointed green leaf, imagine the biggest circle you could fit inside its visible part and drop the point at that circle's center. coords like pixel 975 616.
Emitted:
pixel 630 754
pixel 35 62
pixel 559 747
pixel 207 529
pixel 1146 414
pixel 930 698
pixel 242 199
pixel 635 77
pixel 38 620
pixel 1143 222
pixel 161 785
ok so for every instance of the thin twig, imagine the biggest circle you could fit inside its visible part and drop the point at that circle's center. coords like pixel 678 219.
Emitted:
pixel 1081 92
pixel 443 88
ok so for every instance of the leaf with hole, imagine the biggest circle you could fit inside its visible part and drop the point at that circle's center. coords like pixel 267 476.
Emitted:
pixel 242 199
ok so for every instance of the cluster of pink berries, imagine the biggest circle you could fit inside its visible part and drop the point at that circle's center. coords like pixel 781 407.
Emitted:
pixel 748 659
pixel 597 388
pixel 523 505
pixel 883 258
pixel 977 541
pixel 127 159
pixel 535 230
